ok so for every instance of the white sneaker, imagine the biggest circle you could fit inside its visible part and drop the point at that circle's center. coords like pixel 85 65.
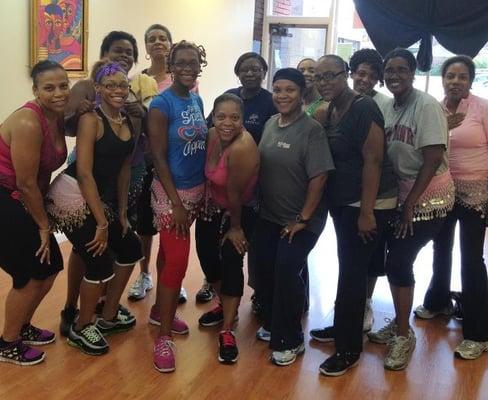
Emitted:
pixel 383 335
pixel 400 349
pixel 368 316
pixel 263 334
pixel 470 350
pixel 287 357
pixel 425 313
pixel 139 288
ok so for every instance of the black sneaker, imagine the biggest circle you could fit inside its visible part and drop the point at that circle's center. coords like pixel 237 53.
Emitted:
pixel 183 297
pixel 205 294
pixel 228 352
pixel 89 340
pixel 122 312
pixel 323 335
pixel 69 317
pixel 19 353
pixel 213 317
pixel 117 325
pixel 339 363
pixel 458 306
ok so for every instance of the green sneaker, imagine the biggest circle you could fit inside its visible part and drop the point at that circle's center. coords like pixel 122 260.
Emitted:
pixel 470 350
pixel 400 350
pixel 383 335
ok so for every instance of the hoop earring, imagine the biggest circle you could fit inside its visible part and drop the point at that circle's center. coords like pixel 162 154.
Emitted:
pixel 147 57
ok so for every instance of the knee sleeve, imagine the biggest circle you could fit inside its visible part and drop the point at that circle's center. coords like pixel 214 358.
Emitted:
pixel 175 253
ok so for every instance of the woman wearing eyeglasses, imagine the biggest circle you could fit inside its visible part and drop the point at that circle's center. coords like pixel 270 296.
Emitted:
pixel 361 196
pixel 88 202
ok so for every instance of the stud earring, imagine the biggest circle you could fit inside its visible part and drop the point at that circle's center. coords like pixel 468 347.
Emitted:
pixel 147 57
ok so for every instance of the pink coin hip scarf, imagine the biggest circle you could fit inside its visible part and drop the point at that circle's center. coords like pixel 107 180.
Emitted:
pixel 192 200
pixel 435 202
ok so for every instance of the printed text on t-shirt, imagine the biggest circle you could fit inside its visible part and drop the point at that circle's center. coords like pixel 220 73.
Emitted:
pixel 400 133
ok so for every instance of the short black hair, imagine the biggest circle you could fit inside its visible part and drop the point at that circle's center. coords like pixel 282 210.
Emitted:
pixel 158 26
pixel 337 59
pixel 229 97
pixel 466 60
pixel 370 57
pixel 43 66
pixel 118 35
pixel 248 55
pixel 402 53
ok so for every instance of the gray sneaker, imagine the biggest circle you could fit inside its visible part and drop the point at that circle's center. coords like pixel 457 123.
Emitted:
pixel 383 335
pixel 425 313
pixel 368 316
pixel 139 288
pixel 400 349
pixel 470 350
pixel 287 357
pixel 89 340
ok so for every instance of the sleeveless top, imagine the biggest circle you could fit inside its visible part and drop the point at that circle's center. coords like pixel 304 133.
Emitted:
pixel 109 154
pixel 51 158
pixel 217 177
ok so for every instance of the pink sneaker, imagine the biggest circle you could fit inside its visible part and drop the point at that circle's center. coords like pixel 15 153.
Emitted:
pixel 164 354
pixel 178 326
pixel 154 317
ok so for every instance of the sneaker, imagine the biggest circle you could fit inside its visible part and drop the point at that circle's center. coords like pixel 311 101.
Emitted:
pixel 458 306
pixel 35 336
pixel 339 363
pixel 178 326
pixel 323 335
pixel 212 317
pixel 139 288
pixel 424 313
pixel 470 350
pixel 117 325
pixel 228 352
pixel 206 293
pixel 183 296
pixel 19 353
pixel 122 312
pixel 287 357
pixel 69 316
pixel 164 354
pixel 383 335
pixel 89 340
pixel 400 349
pixel 263 334
pixel 368 316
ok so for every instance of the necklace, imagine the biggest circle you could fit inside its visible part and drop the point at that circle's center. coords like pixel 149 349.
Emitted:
pixel 119 120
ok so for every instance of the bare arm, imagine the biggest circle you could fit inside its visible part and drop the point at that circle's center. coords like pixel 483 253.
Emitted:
pixel 372 152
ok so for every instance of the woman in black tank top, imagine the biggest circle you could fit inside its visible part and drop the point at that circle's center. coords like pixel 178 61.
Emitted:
pixel 89 201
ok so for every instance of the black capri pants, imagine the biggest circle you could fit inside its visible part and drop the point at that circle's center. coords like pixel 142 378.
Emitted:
pixel 19 242
pixel 403 252
pixel 121 250
pixel 145 226
pixel 223 263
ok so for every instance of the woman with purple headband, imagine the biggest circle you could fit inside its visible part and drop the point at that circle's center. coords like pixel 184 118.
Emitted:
pixel 88 202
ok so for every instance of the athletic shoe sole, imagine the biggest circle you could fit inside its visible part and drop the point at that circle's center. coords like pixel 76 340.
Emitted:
pixel 155 322
pixel 23 363
pixel 86 350
pixel 224 361
pixel 337 373
pixel 285 363
pixel 117 329
pixel 209 324
pixel 164 370
pixel 39 343
pixel 322 340
pixel 462 357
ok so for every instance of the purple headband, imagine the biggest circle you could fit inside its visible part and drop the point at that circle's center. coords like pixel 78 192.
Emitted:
pixel 108 69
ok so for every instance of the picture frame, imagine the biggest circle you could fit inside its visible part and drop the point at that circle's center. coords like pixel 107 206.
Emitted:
pixel 59 32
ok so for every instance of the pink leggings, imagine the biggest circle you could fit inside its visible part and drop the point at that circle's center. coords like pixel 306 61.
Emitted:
pixel 173 256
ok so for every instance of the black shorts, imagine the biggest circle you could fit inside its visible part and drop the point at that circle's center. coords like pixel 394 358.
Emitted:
pixel 19 241
pixel 121 250
pixel 145 216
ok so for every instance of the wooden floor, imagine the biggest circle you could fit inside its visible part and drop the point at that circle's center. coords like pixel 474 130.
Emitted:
pixel 127 371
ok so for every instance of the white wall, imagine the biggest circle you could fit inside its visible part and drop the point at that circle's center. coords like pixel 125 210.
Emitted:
pixel 223 27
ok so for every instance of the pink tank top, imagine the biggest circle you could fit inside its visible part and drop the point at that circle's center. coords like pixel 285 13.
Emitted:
pixel 217 179
pixel 51 159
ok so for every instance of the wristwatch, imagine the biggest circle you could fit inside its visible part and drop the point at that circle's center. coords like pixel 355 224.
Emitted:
pixel 300 220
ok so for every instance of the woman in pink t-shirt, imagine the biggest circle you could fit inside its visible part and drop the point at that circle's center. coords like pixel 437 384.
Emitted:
pixel 468 154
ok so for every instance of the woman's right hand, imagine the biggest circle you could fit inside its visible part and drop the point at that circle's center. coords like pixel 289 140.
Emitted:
pixel 180 221
pixel 85 106
pixel 99 243
pixel 454 120
pixel 44 251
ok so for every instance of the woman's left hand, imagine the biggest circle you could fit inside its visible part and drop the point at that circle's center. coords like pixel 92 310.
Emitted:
pixel 405 225
pixel 237 238
pixel 135 109
pixel 367 227
pixel 291 229
pixel 124 222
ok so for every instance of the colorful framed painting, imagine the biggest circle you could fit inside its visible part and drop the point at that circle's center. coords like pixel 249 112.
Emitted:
pixel 59 32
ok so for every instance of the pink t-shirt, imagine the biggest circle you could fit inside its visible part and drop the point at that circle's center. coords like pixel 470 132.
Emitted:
pixel 217 179
pixel 468 152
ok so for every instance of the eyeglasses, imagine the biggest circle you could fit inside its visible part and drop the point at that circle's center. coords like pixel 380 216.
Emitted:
pixel 113 86
pixel 253 70
pixel 193 65
pixel 327 76
pixel 399 71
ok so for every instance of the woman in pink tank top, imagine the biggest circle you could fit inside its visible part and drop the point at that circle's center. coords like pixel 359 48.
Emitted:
pixel 32 146
pixel 222 239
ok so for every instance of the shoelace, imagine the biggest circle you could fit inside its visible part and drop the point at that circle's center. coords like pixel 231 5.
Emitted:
pixel 32 332
pixel 228 339
pixel 387 328
pixel 91 333
pixel 163 348
pixel 398 345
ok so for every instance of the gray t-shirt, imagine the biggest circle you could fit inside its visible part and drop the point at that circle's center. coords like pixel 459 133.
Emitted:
pixel 382 100
pixel 290 157
pixel 419 122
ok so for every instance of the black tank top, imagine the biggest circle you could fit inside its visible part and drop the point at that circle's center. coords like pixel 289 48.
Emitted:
pixel 109 153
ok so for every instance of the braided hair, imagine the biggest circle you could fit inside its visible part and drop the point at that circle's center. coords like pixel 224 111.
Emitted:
pixel 183 45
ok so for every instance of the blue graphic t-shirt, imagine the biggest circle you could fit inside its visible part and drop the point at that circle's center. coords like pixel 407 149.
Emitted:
pixel 187 132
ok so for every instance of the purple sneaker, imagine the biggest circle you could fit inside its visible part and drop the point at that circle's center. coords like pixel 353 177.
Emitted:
pixel 35 336
pixel 21 354
pixel 178 326
pixel 164 354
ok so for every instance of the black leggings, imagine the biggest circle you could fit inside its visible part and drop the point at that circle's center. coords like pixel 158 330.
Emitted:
pixel 223 263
